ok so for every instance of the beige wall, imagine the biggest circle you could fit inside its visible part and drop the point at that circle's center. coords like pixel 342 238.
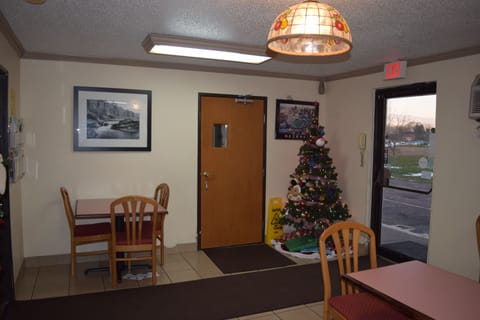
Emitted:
pixel 9 61
pixel 47 89
pixel 47 109
pixel 455 204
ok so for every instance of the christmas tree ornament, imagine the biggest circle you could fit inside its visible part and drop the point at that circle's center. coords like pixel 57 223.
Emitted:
pixel 294 196
pixel 320 142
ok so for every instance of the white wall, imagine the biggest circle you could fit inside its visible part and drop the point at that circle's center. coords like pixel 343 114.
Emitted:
pixel 455 204
pixel 9 61
pixel 47 109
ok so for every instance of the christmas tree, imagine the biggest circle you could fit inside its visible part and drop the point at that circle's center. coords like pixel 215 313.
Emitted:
pixel 313 199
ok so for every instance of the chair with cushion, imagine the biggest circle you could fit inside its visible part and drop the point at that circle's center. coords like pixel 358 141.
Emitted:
pixel 344 238
pixel 82 234
pixel 132 241
pixel 162 194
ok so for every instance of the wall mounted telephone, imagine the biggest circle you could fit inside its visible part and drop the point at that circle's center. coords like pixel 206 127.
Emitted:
pixel 362 145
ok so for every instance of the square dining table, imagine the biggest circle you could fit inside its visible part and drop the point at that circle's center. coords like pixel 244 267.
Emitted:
pixel 422 290
pixel 100 209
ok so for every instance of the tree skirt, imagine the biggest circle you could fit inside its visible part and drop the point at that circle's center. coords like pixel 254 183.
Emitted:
pixel 280 247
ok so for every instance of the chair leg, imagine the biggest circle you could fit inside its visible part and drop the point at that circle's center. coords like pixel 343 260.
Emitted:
pixel 326 314
pixel 129 263
pixel 162 253
pixel 72 258
pixel 161 248
pixel 113 266
pixel 154 266
pixel 110 257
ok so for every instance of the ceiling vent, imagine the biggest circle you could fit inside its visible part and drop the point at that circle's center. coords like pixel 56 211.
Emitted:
pixel 474 111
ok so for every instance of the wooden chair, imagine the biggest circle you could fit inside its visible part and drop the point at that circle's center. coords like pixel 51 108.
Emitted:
pixel 133 237
pixel 351 305
pixel 162 194
pixel 84 233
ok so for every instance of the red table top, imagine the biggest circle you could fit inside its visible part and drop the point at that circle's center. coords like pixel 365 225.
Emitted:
pixel 429 291
pixel 100 208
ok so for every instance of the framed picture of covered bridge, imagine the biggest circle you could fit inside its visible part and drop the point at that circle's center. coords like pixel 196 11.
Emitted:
pixel 111 119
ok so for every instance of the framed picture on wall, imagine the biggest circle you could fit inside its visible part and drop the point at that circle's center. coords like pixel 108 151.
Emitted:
pixel 292 118
pixel 110 119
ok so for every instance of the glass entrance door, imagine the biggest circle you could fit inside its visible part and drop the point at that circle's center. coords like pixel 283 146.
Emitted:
pixel 403 170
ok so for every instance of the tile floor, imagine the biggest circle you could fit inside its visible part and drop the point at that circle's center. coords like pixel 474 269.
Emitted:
pixel 180 265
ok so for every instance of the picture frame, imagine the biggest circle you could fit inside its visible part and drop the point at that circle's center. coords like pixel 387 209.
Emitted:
pixel 292 118
pixel 111 119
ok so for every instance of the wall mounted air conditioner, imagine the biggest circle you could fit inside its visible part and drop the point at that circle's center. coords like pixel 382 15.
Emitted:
pixel 474 111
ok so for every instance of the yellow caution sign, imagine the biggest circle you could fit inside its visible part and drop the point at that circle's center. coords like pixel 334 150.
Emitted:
pixel 274 228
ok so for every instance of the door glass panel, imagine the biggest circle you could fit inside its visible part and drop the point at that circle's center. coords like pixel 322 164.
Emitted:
pixel 408 174
pixel 220 135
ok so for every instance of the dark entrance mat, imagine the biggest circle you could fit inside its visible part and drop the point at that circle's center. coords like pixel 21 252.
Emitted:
pixel 410 249
pixel 247 258
pixel 214 298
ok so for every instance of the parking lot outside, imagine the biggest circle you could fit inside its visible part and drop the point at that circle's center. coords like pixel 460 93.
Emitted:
pixel 406 214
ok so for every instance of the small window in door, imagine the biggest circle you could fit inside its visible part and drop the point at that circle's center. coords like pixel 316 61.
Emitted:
pixel 220 135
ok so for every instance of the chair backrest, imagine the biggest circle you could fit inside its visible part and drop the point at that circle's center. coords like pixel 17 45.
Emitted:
pixel 68 209
pixel 136 210
pixel 162 193
pixel 344 238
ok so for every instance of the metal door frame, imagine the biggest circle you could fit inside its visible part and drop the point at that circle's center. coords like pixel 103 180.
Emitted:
pixel 381 96
pixel 241 99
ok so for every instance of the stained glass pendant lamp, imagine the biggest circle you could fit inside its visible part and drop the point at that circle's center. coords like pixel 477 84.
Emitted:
pixel 310 28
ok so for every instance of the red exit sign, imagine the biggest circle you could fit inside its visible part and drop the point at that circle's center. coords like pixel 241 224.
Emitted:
pixel 395 70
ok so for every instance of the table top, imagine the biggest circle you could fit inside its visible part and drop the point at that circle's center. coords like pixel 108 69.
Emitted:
pixel 100 208
pixel 427 291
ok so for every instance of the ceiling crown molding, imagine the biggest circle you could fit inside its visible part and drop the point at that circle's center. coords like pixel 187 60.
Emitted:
pixel 12 39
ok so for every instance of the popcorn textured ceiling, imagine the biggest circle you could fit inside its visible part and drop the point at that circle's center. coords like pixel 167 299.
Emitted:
pixel 113 30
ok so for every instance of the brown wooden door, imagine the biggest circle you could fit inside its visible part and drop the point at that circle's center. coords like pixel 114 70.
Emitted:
pixel 231 180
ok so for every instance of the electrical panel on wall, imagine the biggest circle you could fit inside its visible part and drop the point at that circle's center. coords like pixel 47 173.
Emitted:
pixel 16 156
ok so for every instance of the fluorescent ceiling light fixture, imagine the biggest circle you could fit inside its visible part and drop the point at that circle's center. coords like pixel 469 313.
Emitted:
pixel 207 54
pixel 203 49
